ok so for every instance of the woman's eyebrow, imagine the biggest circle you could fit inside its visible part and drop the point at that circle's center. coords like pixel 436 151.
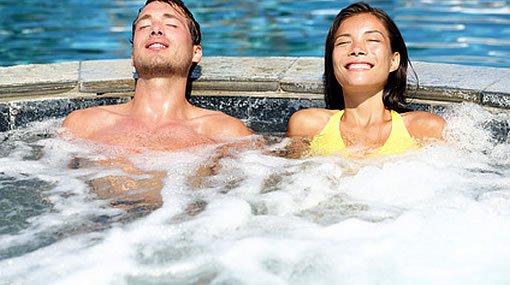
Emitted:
pixel 346 35
pixel 343 35
pixel 374 32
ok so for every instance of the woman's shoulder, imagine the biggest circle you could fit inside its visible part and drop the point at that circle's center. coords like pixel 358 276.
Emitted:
pixel 424 125
pixel 309 122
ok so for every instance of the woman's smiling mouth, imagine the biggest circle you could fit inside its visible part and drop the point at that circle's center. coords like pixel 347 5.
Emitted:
pixel 358 66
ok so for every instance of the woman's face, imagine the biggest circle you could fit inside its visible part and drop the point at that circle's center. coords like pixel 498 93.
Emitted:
pixel 362 56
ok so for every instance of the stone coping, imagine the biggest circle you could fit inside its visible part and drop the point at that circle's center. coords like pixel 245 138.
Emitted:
pixel 254 80
pixel 275 76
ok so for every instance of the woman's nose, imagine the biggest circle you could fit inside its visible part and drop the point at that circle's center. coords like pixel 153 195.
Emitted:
pixel 357 49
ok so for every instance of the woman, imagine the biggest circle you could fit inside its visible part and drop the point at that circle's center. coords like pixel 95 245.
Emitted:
pixel 365 80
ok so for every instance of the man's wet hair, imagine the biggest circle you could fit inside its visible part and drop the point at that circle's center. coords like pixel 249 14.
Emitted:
pixel 193 25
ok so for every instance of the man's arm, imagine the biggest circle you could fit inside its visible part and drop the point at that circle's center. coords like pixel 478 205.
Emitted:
pixel 83 123
pixel 234 128
pixel 222 127
pixel 71 121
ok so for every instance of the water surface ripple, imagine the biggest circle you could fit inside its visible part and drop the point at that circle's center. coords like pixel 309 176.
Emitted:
pixel 472 32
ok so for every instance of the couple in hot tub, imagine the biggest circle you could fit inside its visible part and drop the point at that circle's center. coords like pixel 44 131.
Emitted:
pixel 366 65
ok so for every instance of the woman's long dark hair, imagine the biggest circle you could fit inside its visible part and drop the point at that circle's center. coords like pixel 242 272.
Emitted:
pixel 395 88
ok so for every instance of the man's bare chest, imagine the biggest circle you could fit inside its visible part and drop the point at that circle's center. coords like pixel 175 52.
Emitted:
pixel 166 137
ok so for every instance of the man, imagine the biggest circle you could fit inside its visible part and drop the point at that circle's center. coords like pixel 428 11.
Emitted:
pixel 166 43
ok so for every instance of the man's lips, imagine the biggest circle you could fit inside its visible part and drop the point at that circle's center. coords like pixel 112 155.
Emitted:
pixel 156 45
pixel 358 66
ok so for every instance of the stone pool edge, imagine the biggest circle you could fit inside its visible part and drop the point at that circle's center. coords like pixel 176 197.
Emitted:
pixel 263 91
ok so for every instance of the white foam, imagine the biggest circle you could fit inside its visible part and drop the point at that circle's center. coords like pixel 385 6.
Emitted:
pixel 440 215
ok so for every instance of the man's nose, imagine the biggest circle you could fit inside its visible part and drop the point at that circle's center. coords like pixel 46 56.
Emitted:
pixel 156 30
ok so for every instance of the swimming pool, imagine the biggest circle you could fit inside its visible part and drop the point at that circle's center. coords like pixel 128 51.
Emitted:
pixel 464 32
pixel 441 215
pixel 437 216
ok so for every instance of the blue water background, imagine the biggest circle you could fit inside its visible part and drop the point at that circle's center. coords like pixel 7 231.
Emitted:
pixel 453 31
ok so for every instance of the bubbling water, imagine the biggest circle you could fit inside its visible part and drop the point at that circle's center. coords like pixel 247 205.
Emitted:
pixel 440 215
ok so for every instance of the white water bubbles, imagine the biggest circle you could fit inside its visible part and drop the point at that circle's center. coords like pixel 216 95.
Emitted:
pixel 440 215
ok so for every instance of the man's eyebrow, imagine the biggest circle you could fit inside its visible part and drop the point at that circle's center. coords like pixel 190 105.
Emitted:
pixel 149 16
pixel 144 17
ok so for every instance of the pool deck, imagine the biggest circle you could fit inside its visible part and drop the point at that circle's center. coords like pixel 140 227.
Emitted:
pixel 263 91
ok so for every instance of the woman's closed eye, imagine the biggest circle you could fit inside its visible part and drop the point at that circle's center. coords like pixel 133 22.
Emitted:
pixel 342 42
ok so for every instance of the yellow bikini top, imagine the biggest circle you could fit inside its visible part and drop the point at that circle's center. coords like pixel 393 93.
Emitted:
pixel 330 141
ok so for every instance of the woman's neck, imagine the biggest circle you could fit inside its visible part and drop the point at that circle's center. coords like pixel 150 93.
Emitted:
pixel 364 108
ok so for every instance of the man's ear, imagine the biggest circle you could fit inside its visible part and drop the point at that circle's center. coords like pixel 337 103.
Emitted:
pixel 395 61
pixel 197 53
pixel 133 69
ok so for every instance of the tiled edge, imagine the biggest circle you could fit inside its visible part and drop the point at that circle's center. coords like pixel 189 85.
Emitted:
pixel 496 100
pixel 38 79
pixel 233 85
pixel 236 106
pixel 436 107
pixel 456 83
pixel 498 93
pixel 272 114
pixel 255 74
pixel 106 76
pixel 261 91
pixel 4 118
pixel 27 111
pixel 212 73
pixel 261 114
pixel 304 76
pixel 299 75
pixel 434 81
pixel 445 94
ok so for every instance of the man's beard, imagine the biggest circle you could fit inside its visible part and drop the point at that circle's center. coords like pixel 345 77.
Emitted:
pixel 162 67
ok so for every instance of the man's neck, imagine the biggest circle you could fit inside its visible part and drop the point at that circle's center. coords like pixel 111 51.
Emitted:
pixel 161 99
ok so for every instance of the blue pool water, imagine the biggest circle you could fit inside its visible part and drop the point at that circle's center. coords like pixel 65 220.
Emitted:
pixel 474 32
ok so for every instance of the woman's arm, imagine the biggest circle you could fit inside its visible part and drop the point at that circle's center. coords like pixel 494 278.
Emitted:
pixel 424 125
pixel 308 122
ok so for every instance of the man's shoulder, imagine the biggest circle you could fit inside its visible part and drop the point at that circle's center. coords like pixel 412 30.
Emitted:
pixel 217 124
pixel 85 121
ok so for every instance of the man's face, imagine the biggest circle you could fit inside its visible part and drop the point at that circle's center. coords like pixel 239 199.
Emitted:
pixel 162 44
